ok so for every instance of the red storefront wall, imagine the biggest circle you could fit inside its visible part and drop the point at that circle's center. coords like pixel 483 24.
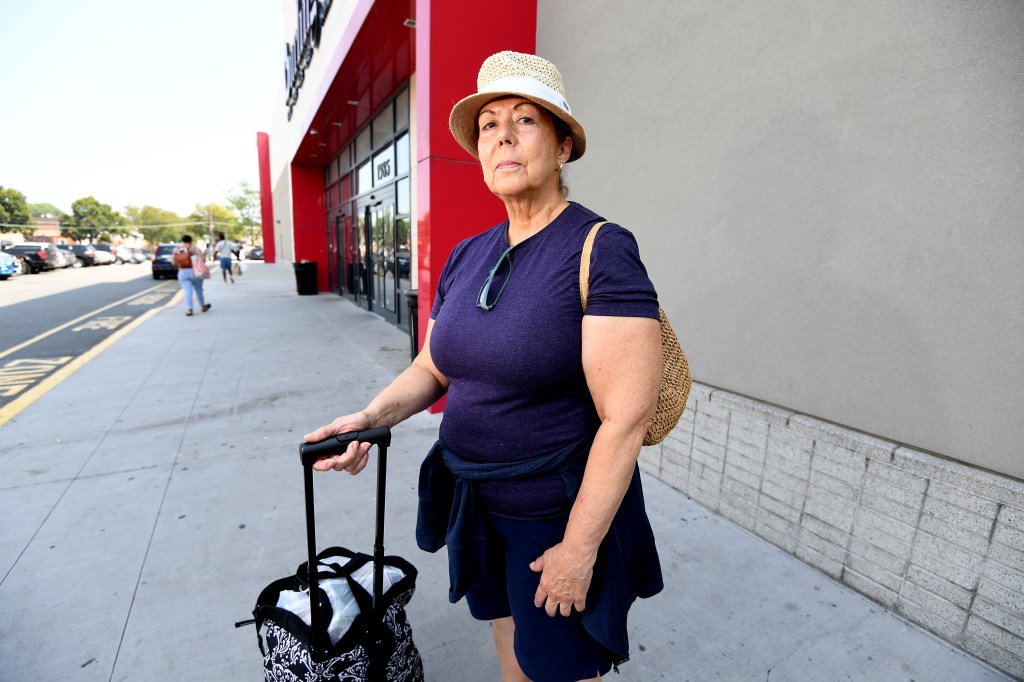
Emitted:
pixel 266 197
pixel 309 219
pixel 452 38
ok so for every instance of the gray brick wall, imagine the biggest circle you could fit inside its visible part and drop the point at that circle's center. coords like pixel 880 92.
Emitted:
pixel 936 541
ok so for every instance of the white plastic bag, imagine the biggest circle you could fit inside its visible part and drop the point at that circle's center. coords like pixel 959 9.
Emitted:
pixel 343 602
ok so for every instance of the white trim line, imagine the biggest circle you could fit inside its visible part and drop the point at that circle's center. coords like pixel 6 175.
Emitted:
pixel 529 86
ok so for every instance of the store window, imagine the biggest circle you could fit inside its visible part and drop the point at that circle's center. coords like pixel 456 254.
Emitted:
pixel 402 111
pixel 402 154
pixel 364 178
pixel 363 145
pixel 372 220
pixel 384 126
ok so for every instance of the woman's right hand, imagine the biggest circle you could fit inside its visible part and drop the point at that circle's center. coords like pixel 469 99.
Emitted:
pixel 355 457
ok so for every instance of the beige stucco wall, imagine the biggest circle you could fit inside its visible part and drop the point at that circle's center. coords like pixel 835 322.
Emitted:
pixel 829 197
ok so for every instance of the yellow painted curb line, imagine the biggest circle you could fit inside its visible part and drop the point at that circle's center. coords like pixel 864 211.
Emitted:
pixel 13 408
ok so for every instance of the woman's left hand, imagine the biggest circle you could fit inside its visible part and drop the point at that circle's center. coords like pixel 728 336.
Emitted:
pixel 564 580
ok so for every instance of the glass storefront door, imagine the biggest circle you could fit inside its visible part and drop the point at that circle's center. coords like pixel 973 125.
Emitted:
pixel 378 254
pixel 358 253
pixel 337 263
pixel 334 253
pixel 369 210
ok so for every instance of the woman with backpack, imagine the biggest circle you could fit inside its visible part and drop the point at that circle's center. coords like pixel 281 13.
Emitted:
pixel 184 257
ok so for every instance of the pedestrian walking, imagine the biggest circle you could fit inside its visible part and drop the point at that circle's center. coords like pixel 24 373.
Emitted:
pixel 224 250
pixel 533 483
pixel 186 256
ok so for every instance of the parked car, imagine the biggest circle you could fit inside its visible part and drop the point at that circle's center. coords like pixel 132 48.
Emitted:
pixel 39 256
pixel 10 265
pixel 139 255
pixel 115 257
pixel 103 256
pixel 255 253
pixel 85 253
pixel 68 251
pixel 163 261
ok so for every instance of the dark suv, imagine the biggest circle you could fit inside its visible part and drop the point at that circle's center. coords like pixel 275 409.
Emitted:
pixel 39 256
pixel 163 261
pixel 111 249
pixel 85 252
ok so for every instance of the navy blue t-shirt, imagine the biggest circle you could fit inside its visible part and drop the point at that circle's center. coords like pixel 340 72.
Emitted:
pixel 517 388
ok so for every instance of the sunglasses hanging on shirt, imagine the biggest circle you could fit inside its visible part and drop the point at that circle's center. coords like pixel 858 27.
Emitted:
pixel 484 301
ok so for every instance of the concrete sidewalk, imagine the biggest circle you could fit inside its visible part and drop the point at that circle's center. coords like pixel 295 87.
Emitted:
pixel 149 498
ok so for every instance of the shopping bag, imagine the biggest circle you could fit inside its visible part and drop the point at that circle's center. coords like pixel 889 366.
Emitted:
pixel 200 268
pixel 238 269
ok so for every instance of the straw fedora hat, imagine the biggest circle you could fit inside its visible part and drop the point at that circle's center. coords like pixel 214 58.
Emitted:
pixel 515 73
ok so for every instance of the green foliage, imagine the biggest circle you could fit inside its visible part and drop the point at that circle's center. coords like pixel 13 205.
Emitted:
pixel 246 202
pixel 43 210
pixel 14 211
pixel 91 220
pixel 209 219
pixel 150 221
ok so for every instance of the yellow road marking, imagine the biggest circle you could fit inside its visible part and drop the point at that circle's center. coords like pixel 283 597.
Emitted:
pixel 42 336
pixel 17 375
pixel 11 409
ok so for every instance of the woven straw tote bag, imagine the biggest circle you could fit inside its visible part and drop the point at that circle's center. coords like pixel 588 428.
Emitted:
pixel 675 372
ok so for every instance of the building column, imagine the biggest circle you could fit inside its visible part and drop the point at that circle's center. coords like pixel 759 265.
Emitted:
pixel 309 218
pixel 453 39
pixel 266 197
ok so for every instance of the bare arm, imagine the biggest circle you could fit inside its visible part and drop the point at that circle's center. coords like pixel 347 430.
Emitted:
pixel 415 389
pixel 622 363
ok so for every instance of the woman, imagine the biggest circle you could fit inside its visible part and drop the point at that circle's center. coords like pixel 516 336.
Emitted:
pixel 224 250
pixel 547 407
pixel 183 257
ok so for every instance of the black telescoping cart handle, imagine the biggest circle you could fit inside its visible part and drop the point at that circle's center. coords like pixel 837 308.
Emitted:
pixel 310 453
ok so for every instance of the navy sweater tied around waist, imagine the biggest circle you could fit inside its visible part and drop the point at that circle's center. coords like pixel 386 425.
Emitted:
pixel 451 513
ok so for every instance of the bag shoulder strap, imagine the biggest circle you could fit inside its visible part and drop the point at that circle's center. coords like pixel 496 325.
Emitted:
pixel 588 246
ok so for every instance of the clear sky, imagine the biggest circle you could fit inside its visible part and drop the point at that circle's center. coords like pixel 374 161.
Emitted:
pixel 133 103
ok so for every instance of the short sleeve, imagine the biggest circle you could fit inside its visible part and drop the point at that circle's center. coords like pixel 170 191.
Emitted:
pixel 619 285
pixel 444 281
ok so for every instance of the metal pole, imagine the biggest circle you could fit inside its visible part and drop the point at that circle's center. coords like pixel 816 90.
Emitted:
pixel 378 544
pixel 314 586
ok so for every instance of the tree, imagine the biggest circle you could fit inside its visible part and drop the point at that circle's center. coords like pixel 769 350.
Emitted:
pixel 14 213
pixel 210 219
pixel 90 220
pixel 246 202
pixel 150 221
pixel 44 210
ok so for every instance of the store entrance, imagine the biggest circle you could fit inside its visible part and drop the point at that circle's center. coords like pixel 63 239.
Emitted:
pixel 336 270
pixel 374 257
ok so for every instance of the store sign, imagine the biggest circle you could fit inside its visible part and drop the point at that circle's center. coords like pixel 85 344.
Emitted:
pixel 384 167
pixel 298 54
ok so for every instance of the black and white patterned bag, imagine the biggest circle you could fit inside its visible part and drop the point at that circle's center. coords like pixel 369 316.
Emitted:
pixel 293 653
pixel 358 630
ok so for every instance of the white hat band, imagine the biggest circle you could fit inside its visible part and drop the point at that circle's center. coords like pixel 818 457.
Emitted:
pixel 529 86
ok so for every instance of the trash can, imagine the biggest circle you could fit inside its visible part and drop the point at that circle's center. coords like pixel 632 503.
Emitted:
pixel 305 278
pixel 412 299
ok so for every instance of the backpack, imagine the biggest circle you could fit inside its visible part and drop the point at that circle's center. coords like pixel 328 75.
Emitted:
pixel 182 258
